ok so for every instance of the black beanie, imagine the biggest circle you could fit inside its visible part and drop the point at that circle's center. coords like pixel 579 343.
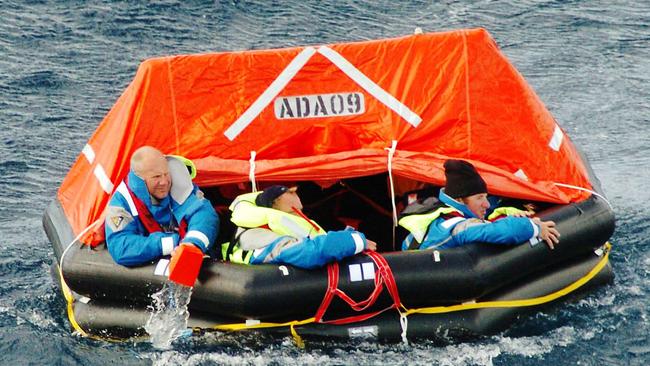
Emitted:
pixel 462 179
pixel 266 198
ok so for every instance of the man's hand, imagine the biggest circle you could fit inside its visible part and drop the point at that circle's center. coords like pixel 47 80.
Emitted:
pixel 371 245
pixel 178 246
pixel 548 232
pixel 522 214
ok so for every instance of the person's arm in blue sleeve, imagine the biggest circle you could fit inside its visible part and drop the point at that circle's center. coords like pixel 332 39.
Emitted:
pixel 202 222
pixel 509 230
pixel 315 252
pixel 127 241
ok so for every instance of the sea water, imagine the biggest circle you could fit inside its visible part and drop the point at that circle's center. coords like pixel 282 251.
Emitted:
pixel 168 315
pixel 64 63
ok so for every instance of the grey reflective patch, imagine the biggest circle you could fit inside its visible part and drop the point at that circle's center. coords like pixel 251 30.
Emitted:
pixel 464 225
pixel 256 238
pixel 199 194
pixel 117 218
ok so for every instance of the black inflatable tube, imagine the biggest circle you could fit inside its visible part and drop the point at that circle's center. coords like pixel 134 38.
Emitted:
pixel 107 319
pixel 266 293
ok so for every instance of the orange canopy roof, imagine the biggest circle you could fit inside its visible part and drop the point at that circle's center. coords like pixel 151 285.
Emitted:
pixel 331 112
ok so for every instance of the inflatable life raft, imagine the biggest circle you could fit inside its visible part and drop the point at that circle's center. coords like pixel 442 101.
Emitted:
pixel 362 130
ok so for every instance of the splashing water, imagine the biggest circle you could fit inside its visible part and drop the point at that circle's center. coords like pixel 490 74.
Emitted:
pixel 169 314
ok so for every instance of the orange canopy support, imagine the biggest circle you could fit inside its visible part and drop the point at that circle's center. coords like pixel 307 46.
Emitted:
pixel 329 112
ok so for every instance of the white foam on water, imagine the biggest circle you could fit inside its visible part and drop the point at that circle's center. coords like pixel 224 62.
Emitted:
pixel 169 314
pixel 242 358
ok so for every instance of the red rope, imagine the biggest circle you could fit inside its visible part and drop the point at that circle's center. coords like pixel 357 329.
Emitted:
pixel 383 277
pixel 301 214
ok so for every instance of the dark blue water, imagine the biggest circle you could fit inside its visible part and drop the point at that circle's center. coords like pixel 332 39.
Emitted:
pixel 64 63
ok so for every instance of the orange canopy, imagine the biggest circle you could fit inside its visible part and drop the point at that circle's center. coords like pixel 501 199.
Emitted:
pixel 332 112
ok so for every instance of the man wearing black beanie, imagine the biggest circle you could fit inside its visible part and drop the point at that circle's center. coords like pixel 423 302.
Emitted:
pixel 459 217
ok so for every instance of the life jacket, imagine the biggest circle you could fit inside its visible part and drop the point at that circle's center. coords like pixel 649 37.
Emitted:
pixel 418 225
pixel 247 215
pixel 139 208
pixel 180 169
pixel 501 212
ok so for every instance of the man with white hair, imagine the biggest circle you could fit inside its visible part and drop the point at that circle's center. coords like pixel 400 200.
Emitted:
pixel 155 209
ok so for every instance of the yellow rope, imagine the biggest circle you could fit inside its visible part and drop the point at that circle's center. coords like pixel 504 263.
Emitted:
pixel 520 303
pixel 70 300
pixel 243 326
pixel 443 309
pixel 429 310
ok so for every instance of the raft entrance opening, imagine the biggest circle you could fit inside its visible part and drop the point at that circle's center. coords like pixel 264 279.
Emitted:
pixel 363 203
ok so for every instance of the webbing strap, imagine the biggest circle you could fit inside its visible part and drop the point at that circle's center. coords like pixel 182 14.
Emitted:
pixel 383 276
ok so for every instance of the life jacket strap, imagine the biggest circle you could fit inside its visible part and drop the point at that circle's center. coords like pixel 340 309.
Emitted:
pixel 149 223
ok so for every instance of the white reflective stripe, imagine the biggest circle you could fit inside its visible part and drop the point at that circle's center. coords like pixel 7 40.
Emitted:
pixel 520 173
pixel 167 244
pixel 355 272
pixel 535 228
pixel 534 241
pixel 103 179
pixel 358 243
pixel 252 322
pixel 99 171
pixel 370 86
pixel 124 191
pixel 89 153
pixel 162 268
pixel 198 235
pixel 556 140
pixel 271 92
pixel 449 223
pixel 368 269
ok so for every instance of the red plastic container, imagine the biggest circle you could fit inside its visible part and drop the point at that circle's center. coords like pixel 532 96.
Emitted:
pixel 185 264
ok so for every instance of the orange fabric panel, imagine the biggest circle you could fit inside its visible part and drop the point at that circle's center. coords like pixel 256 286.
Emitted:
pixel 471 101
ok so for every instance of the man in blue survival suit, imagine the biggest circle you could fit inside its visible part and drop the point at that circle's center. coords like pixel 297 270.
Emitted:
pixel 459 217
pixel 156 209
pixel 273 229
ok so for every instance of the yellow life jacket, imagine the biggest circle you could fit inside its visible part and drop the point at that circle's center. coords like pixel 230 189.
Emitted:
pixel 503 211
pixel 418 225
pixel 246 214
pixel 237 255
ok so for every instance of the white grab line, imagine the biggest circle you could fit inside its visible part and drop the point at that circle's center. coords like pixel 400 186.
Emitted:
pixel 251 171
pixel 391 153
pixel 586 190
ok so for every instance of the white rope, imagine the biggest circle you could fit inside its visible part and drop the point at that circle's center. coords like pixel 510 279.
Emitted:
pixel 75 240
pixel 404 323
pixel 251 172
pixel 391 153
pixel 585 190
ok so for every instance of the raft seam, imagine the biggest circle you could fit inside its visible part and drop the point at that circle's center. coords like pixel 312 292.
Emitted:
pixel 173 100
